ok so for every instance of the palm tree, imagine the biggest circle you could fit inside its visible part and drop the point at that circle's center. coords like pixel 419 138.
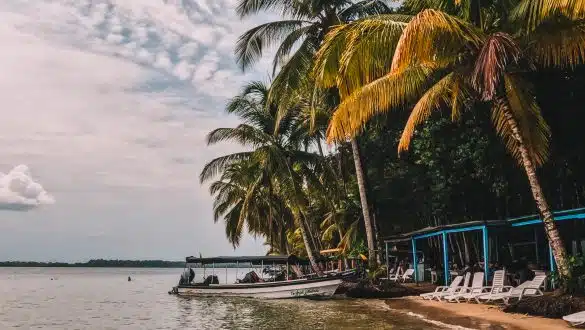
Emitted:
pixel 346 70
pixel 442 60
pixel 302 29
pixel 265 214
pixel 267 181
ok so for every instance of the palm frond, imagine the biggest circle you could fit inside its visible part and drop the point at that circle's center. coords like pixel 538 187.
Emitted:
pixel 349 237
pixel 522 107
pixel 283 52
pixel 439 94
pixel 250 7
pixel 498 51
pixel 329 232
pixel 292 75
pixel 219 164
pixel 531 13
pixel 231 220
pixel 559 43
pixel 379 96
pixel 369 51
pixel 258 90
pixel 434 36
pixel 364 8
pixel 460 95
pixel 243 134
pixel 533 128
pixel 251 45
pixel 357 53
pixel 251 193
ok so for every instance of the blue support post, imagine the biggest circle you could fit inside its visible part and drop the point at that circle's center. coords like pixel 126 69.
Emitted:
pixel 445 259
pixel 552 263
pixel 486 257
pixel 414 260
pixel 551 258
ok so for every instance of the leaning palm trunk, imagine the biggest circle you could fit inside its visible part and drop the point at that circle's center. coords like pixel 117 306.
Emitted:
pixel 308 245
pixel 550 228
pixel 364 201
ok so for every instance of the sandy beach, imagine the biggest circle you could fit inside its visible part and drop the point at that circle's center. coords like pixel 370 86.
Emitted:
pixel 472 316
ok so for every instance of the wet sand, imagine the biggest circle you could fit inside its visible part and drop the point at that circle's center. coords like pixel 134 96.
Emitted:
pixel 472 316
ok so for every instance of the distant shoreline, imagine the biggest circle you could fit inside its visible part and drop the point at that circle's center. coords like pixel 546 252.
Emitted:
pixel 98 263
pixel 103 263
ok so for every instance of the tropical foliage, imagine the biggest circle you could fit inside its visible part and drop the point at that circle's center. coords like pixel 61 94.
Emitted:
pixel 371 81
pixel 444 61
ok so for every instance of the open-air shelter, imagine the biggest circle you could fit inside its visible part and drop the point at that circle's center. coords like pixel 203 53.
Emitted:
pixel 490 231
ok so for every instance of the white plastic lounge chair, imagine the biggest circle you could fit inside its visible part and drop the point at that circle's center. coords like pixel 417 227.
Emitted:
pixel 468 292
pixel 466 282
pixel 408 275
pixel 402 278
pixel 575 319
pixel 442 291
pixel 496 287
pixel 528 288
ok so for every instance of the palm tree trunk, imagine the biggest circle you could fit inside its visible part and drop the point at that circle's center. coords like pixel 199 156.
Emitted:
pixel 550 227
pixel 364 201
pixel 377 239
pixel 308 244
pixel 311 233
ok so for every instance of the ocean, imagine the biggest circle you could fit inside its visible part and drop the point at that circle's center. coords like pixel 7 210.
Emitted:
pixel 102 298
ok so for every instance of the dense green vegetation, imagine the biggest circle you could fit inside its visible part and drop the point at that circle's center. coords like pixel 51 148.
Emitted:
pixel 369 79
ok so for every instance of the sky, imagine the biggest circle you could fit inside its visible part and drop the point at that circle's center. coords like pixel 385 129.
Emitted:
pixel 105 105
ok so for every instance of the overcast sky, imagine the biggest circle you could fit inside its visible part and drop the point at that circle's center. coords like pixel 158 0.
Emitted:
pixel 105 105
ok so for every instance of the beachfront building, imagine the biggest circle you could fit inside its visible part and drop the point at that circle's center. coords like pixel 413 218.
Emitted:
pixel 514 244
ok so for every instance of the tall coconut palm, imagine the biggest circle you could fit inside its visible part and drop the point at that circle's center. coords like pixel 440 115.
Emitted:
pixel 298 36
pixel 444 61
pixel 274 166
pixel 339 64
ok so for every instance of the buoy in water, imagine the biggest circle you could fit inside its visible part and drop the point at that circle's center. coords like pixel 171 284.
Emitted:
pixel 129 279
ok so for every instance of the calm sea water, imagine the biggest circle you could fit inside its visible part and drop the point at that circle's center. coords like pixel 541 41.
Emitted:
pixel 78 298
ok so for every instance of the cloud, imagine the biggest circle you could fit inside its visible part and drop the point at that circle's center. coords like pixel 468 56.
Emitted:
pixel 20 192
pixel 189 40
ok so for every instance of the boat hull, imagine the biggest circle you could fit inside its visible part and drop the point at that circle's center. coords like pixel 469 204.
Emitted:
pixel 268 290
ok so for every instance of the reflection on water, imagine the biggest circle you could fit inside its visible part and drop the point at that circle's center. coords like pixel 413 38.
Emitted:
pixel 104 299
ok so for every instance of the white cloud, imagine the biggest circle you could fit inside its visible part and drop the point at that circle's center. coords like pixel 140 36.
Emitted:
pixel 20 192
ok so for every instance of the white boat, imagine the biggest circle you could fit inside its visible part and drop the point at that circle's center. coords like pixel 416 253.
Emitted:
pixel 255 287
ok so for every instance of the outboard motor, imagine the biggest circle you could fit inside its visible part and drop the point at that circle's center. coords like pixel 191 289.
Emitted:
pixel 185 278
pixel 211 279
pixel 191 274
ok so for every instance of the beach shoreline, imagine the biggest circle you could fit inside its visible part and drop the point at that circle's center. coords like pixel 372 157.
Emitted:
pixel 470 316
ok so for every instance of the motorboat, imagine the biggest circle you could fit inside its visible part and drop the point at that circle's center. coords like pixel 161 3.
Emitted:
pixel 281 283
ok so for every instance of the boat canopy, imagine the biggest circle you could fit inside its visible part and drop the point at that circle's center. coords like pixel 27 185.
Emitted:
pixel 255 260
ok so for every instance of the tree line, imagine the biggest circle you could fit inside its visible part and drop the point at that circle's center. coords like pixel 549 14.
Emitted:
pixel 99 263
